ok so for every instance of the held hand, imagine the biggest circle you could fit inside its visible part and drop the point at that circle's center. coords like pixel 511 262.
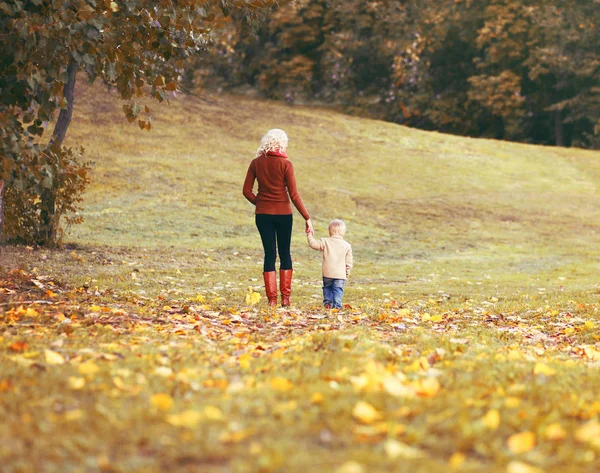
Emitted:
pixel 309 227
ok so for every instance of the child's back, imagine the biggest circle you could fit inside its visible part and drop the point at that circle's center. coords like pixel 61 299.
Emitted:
pixel 337 262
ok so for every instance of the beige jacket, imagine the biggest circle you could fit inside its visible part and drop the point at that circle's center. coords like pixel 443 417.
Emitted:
pixel 337 255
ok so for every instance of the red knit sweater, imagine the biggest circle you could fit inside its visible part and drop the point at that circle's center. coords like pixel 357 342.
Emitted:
pixel 275 176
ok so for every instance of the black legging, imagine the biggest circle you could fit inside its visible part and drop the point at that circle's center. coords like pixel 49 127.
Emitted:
pixel 276 234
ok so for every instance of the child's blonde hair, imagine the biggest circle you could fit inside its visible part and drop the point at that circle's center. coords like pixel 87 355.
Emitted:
pixel 274 140
pixel 337 227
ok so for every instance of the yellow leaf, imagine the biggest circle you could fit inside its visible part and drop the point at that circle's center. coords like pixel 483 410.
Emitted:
pixel 491 419
pixel 199 298
pixel 95 308
pixel 555 432
pixel 512 401
pixel 425 317
pixel 31 312
pixel 162 401
pixel 74 415
pixel 76 382
pixel 53 358
pixel 592 353
pixel 213 413
pixel 396 449
pixel 236 436
pixel 365 412
pixel 457 459
pixel 317 398
pixel 350 467
pixel 520 467
pixel 395 387
pixel 541 368
pixel 163 371
pixel 588 432
pixel 521 442
pixel 244 360
pixel 252 298
pixel 189 419
pixel 89 368
pixel 281 384
pixel 427 387
pixel 436 318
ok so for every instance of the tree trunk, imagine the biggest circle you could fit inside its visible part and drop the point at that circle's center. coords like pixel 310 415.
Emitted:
pixel 558 129
pixel 48 196
pixel 2 187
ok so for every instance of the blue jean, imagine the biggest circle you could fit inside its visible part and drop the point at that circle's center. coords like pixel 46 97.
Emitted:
pixel 333 291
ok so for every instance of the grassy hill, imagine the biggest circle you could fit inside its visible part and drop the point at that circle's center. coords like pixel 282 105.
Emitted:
pixel 426 212
pixel 471 345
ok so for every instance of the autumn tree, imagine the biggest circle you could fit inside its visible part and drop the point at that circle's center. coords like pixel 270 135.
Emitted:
pixel 137 47
pixel 508 69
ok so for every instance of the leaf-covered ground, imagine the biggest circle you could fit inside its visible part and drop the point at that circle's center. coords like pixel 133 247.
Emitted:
pixel 91 381
pixel 470 342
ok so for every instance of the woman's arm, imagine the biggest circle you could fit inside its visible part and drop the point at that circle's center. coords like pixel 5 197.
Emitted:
pixel 290 182
pixel 249 184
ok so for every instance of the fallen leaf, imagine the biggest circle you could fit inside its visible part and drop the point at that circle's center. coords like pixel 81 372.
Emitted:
pixel 350 467
pixel 457 460
pixel 188 419
pixel 163 371
pixel 281 384
pixel 53 358
pixel 76 382
pixel 31 312
pixel 18 346
pixel 396 449
pixel 555 432
pixel 365 412
pixel 162 401
pixel 491 419
pixel 541 368
pixel 521 442
pixel 88 368
pixel 213 413
pixel 589 432
pixel 317 398
pixel 73 415
pixel 520 467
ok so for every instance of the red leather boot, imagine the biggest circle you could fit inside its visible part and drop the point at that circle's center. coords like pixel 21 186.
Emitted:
pixel 285 286
pixel 270 278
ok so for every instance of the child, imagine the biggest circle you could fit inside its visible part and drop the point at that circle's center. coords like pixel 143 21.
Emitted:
pixel 337 262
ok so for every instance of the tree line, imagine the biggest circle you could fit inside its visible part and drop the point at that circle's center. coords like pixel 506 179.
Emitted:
pixel 521 70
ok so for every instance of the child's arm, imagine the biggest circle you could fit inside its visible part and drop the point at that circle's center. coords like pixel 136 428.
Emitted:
pixel 314 243
pixel 349 261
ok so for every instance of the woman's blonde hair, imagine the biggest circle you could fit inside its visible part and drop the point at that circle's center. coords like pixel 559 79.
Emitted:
pixel 274 140
pixel 337 227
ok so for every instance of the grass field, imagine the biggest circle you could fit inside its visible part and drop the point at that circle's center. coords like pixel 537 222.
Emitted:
pixel 470 343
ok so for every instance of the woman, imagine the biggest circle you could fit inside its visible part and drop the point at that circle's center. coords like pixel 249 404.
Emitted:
pixel 276 185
